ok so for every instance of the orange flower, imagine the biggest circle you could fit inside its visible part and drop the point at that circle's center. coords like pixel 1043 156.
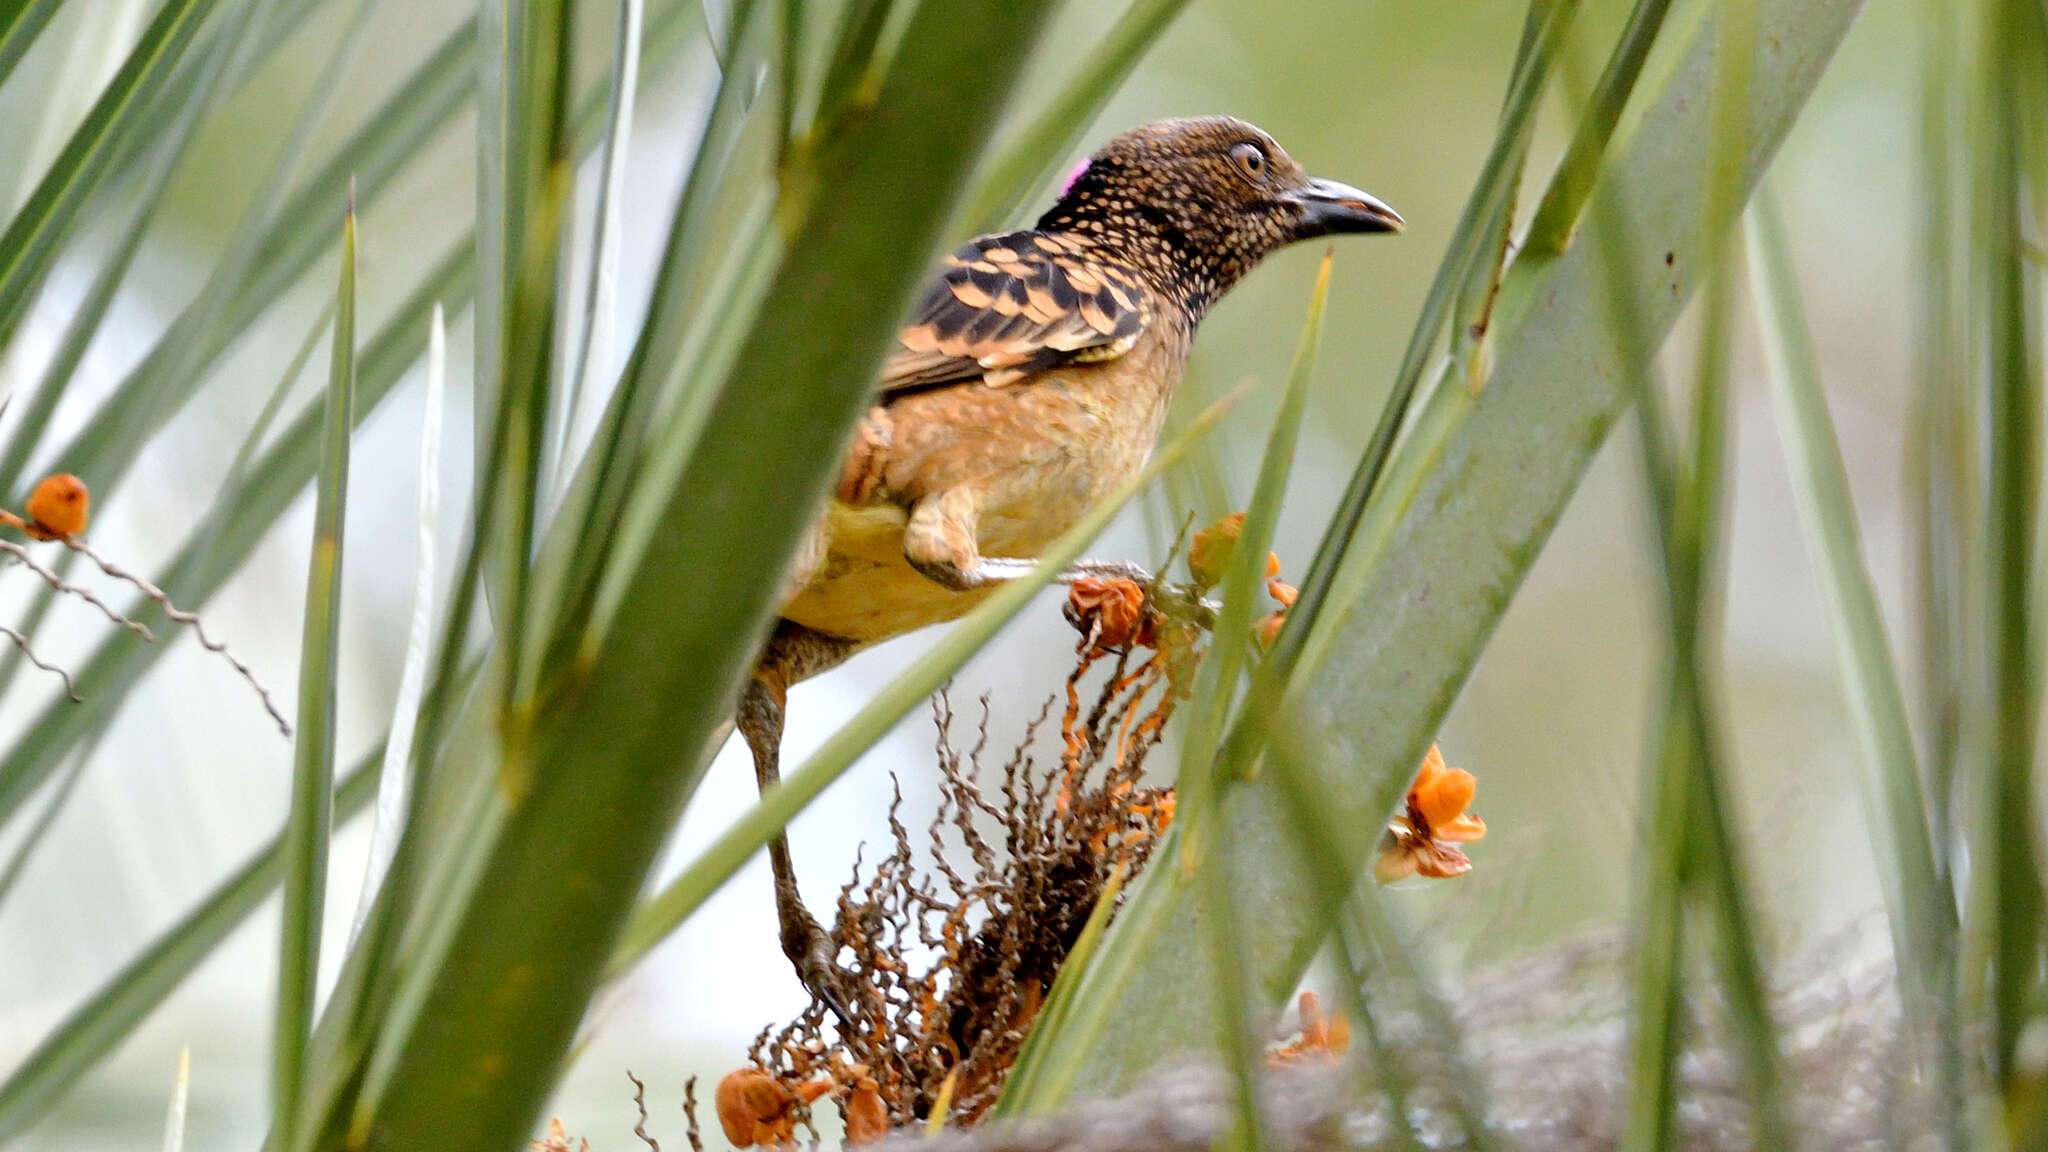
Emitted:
pixel 1325 1037
pixel 1268 629
pixel 1422 840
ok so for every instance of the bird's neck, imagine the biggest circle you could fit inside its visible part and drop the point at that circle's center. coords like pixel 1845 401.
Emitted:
pixel 1174 251
pixel 1160 255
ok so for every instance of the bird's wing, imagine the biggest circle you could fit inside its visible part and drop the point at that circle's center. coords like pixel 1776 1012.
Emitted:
pixel 1010 305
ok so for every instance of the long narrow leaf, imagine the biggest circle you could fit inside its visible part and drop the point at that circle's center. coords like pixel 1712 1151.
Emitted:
pixel 1361 716
pixel 20 23
pixel 241 516
pixel 1923 915
pixel 800 381
pixel 600 295
pixel 308 829
pixel 2007 838
pixel 30 244
pixel 1557 217
pixel 394 780
pixel 1217 683
pixel 1019 172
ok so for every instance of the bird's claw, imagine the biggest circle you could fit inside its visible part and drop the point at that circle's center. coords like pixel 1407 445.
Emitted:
pixel 811 951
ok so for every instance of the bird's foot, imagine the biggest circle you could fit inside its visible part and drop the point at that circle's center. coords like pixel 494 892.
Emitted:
pixel 986 570
pixel 810 951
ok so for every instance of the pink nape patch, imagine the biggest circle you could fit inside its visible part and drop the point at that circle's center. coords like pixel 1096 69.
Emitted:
pixel 1067 185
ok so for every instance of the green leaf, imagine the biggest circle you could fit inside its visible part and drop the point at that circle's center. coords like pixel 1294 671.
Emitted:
pixel 1923 915
pixel 2010 887
pixel 600 300
pixel 1375 681
pixel 523 141
pixel 1557 217
pixel 1216 684
pixel 21 21
pixel 30 244
pixel 504 1002
pixel 282 249
pixel 310 823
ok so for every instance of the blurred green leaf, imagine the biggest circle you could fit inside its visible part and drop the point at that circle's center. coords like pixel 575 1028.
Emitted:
pixel 1923 914
pixel 1216 684
pixel 504 1003
pixel 2011 893
pixel 21 21
pixel 95 1028
pixel 1019 172
pixel 241 516
pixel 1376 679
pixel 34 235
pixel 171 372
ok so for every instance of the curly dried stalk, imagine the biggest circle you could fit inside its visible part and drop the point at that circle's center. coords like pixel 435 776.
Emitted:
pixel 640 1105
pixel 180 616
pixel 29 653
pixel 694 1133
pixel 50 577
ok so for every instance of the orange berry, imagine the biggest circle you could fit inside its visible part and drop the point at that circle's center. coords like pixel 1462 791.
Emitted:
pixel 58 507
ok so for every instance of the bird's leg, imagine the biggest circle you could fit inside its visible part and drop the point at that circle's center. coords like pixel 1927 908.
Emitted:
pixel 940 541
pixel 762 706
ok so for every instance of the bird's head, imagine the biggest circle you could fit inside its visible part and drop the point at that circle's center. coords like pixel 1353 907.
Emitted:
pixel 1197 202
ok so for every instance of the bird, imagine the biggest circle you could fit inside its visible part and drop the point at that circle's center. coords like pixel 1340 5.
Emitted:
pixel 1032 379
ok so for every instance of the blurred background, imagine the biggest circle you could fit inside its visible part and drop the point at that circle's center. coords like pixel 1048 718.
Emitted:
pixel 1395 96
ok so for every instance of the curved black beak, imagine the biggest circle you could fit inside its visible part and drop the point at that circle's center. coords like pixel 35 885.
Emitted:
pixel 1327 206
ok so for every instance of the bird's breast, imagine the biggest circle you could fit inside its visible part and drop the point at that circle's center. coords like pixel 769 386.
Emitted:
pixel 1037 454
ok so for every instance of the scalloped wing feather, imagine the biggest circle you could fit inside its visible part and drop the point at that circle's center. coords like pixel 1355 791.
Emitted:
pixel 1007 306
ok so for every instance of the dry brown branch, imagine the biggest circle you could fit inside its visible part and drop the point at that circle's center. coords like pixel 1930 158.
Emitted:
pixel 640 1104
pixel 694 1133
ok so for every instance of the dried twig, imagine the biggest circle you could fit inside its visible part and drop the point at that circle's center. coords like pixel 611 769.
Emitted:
pixel 180 616
pixel 640 1103
pixel 21 642
pixel 694 1133
pixel 58 583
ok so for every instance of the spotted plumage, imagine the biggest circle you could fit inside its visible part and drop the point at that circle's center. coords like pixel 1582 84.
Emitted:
pixel 1032 379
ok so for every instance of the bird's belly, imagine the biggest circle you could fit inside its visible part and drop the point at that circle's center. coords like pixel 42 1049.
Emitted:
pixel 864 590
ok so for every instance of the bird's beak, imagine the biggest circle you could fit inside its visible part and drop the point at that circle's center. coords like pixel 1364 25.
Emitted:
pixel 1327 206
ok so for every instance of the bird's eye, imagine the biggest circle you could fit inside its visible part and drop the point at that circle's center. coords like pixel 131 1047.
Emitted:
pixel 1250 159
